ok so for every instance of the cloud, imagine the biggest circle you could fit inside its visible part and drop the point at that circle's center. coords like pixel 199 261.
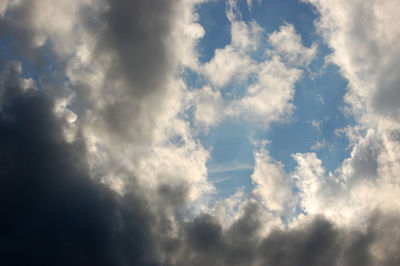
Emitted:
pixel 272 185
pixel 288 43
pixel 363 37
pixel 115 78
pixel 56 213
pixel 269 99
pixel 209 107
pixel 364 47
pixel 267 82
pixel 233 62
pixel 230 167
pixel 318 145
pixel 98 164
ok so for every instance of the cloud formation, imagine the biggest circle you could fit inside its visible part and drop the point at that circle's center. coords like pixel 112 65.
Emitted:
pixel 268 82
pixel 99 165
pixel 364 47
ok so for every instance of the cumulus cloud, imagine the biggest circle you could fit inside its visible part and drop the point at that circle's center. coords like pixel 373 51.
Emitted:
pixel 268 83
pixel 364 47
pixel 272 185
pixel 233 62
pixel 288 44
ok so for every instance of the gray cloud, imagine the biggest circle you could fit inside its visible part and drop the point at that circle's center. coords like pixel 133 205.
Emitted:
pixel 54 213
pixel 132 42
pixel 138 31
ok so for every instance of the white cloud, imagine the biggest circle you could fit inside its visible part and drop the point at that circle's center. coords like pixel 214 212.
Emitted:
pixel 226 210
pixel 62 111
pixel 209 107
pixel 364 37
pixel 233 62
pixel 269 98
pixel 232 166
pixel 250 3
pixel 316 124
pixel 318 145
pixel 186 32
pixel 365 181
pixel 344 201
pixel 329 195
pixel 272 185
pixel 288 44
pixel 268 82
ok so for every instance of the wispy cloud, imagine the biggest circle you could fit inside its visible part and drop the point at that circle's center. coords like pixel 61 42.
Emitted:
pixel 229 167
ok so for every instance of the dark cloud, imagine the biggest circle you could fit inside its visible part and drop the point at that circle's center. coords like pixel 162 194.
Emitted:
pixel 365 159
pixel 385 100
pixel 52 211
pixel 317 244
pixel 15 27
pixel 133 38
pixel 138 32
pixel 132 48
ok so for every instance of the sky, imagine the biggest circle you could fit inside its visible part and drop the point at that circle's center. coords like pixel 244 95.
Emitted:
pixel 200 132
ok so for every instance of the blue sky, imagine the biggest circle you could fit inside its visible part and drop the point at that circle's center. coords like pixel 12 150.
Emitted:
pixel 318 100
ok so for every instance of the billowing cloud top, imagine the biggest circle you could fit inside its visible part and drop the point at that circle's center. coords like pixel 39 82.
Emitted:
pixel 105 106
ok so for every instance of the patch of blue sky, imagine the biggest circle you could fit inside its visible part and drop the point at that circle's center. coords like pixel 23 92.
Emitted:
pixel 271 14
pixel 6 53
pixel 43 66
pixel 217 28
pixel 193 79
pixel 331 117
pixel 32 67
pixel 328 115
pixel 245 12
pixel 318 99
pixel 232 162
pixel 318 113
